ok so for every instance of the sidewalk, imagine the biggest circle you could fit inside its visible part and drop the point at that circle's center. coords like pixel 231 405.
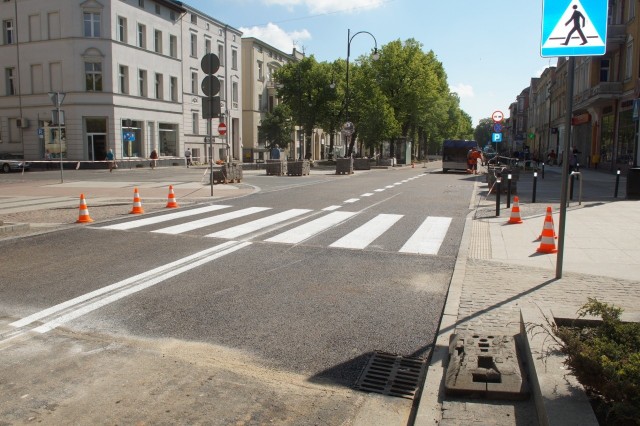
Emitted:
pixel 500 277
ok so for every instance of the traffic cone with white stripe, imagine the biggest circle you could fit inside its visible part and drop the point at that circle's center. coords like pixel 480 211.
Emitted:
pixel 548 218
pixel 171 202
pixel 137 203
pixel 547 239
pixel 83 217
pixel 515 211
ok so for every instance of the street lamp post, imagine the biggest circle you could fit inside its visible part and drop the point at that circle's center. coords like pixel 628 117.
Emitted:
pixel 375 57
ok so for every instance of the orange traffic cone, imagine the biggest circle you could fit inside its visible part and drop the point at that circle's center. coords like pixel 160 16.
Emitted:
pixel 83 217
pixel 515 211
pixel 171 203
pixel 548 242
pixel 137 203
pixel 548 218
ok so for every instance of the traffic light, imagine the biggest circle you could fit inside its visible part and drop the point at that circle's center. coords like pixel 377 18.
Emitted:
pixel 210 86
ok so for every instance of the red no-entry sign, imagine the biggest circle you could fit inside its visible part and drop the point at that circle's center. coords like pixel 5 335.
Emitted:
pixel 222 129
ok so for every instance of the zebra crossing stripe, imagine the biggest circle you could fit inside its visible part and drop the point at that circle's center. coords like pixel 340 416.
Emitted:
pixel 428 237
pixel 256 225
pixel 367 233
pixel 164 218
pixel 207 221
pixel 308 230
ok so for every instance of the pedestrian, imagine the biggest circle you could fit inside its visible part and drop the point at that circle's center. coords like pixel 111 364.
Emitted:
pixel 551 157
pixel 111 160
pixel 47 157
pixel 187 156
pixel 154 158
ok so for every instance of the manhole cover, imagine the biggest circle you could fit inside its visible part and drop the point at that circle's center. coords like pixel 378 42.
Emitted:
pixel 393 375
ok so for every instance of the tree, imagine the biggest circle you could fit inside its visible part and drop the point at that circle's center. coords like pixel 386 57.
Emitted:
pixel 276 127
pixel 482 133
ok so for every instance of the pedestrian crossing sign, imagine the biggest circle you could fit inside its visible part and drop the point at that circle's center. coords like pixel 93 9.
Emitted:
pixel 574 28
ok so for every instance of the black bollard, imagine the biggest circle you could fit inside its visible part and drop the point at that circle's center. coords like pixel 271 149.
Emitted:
pixel 542 170
pixel 571 188
pixel 535 184
pixel 615 194
pixel 509 190
pixel 498 197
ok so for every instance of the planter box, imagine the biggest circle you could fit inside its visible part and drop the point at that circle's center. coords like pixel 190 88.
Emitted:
pixel 344 166
pixel 276 167
pixel 298 168
pixel 227 173
pixel 361 164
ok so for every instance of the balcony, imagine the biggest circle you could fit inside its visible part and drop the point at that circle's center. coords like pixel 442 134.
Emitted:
pixel 599 95
pixel 616 35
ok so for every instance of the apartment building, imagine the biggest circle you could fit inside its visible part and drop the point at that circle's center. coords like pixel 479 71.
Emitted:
pixel 129 71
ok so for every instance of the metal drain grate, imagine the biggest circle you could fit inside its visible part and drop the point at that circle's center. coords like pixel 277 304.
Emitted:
pixel 392 375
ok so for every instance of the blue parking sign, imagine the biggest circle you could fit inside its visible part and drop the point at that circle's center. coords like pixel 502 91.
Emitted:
pixel 496 137
pixel 574 28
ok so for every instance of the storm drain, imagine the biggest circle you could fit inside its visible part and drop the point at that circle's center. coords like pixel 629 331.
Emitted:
pixel 393 375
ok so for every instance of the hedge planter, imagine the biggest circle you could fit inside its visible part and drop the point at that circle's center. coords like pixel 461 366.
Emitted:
pixel 344 166
pixel 298 168
pixel 276 167
pixel 227 173
pixel 361 164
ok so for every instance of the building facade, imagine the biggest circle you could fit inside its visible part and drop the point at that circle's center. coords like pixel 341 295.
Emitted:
pixel 129 71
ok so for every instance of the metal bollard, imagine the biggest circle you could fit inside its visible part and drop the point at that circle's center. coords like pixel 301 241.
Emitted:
pixel 571 188
pixel 509 190
pixel 498 197
pixel 542 170
pixel 615 193
pixel 535 184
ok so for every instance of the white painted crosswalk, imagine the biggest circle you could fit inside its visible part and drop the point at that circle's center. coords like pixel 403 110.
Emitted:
pixel 295 226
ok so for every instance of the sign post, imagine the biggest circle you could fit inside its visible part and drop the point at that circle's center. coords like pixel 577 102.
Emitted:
pixel 210 86
pixel 571 28
pixel 56 99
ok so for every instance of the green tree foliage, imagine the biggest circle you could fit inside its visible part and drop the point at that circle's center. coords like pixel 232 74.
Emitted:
pixel 403 94
pixel 482 133
pixel 276 127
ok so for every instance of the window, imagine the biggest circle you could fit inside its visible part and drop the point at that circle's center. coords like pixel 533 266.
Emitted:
pixel 9 32
pixel 142 36
pixel 142 83
pixel 234 59
pixel 194 82
pixel 194 18
pixel 194 45
pixel 173 46
pixel 234 94
pixel 207 45
pixel 259 102
pixel 122 29
pixel 91 24
pixel 123 79
pixel 260 71
pixel 194 123
pixel 141 3
pixel 53 24
pixel 632 10
pixel 223 89
pixel 629 61
pixel 604 70
pixel 157 41
pixel 221 54
pixel 173 87
pixel 37 79
pixel 172 15
pixel 10 81
pixel 93 76
pixel 157 9
pixel 158 87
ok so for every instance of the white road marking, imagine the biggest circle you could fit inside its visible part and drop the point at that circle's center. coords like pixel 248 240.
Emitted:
pixel 367 233
pixel 308 230
pixel 428 237
pixel 351 200
pixel 368 194
pixel 331 208
pixel 389 186
pixel 249 227
pixel 208 221
pixel 126 287
pixel 163 218
pixel 378 190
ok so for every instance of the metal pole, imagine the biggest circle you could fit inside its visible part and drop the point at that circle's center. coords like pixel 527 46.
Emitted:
pixel 508 190
pixel 535 184
pixel 210 154
pixel 615 193
pixel 346 100
pixel 571 65
pixel 543 170
pixel 59 136
pixel 571 187
pixel 498 197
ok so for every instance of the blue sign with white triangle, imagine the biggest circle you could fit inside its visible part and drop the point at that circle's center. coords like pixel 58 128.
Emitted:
pixel 574 28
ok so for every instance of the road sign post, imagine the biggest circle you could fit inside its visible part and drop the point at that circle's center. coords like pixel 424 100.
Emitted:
pixel 210 86
pixel 56 99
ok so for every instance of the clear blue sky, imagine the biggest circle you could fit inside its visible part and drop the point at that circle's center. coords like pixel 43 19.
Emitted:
pixel 490 49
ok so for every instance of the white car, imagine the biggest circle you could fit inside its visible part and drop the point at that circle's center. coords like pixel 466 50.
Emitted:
pixel 9 162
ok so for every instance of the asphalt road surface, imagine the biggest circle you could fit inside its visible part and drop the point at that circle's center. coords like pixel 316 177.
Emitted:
pixel 247 310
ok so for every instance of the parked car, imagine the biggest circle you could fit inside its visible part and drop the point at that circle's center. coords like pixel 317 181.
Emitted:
pixel 9 162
